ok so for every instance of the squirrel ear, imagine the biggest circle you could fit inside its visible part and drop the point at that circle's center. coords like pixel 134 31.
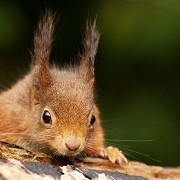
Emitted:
pixel 42 48
pixel 90 45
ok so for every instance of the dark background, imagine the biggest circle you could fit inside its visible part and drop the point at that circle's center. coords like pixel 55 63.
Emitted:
pixel 137 68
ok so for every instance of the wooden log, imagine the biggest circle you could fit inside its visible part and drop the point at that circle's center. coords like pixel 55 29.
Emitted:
pixel 24 163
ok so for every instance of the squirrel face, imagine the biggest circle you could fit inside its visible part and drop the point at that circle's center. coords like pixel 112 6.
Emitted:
pixel 63 112
pixel 62 100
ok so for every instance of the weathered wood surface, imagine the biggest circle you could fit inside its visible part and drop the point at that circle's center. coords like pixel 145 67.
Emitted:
pixel 17 163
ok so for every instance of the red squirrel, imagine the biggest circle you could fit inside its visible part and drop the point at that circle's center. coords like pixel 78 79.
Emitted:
pixel 53 109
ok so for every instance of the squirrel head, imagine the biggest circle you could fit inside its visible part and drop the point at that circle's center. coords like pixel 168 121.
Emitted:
pixel 62 100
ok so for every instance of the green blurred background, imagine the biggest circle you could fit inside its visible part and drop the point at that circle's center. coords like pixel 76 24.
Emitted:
pixel 137 68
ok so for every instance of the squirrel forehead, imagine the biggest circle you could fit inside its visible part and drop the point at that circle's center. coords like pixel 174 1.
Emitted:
pixel 70 90
pixel 71 82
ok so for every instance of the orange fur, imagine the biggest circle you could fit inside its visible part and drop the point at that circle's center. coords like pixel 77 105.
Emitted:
pixel 67 94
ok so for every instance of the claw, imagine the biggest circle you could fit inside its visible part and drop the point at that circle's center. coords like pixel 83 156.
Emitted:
pixel 114 155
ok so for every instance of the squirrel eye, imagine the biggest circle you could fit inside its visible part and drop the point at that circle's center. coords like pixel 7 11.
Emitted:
pixel 93 119
pixel 47 117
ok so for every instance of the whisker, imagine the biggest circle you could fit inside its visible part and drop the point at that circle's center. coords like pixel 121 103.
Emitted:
pixel 132 156
pixel 125 148
pixel 89 148
pixel 142 154
pixel 56 153
pixel 131 150
pixel 83 154
pixel 130 140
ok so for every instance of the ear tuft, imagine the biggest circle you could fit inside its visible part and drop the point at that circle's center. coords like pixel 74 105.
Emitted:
pixel 90 45
pixel 43 39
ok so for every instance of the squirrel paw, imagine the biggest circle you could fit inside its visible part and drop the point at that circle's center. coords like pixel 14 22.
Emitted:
pixel 114 155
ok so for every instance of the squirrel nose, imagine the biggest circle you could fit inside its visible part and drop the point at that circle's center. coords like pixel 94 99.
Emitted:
pixel 72 146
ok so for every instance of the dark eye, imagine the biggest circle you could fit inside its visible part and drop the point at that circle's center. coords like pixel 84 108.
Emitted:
pixel 47 117
pixel 93 119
